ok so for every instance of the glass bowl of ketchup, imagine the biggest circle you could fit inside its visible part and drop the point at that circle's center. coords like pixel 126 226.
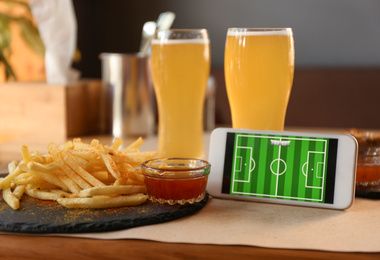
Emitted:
pixel 176 180
pixel 368 165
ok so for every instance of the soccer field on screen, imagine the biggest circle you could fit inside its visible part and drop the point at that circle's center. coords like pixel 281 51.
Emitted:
pixel 279 167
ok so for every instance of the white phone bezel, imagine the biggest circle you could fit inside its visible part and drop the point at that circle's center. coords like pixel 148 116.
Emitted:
pixel 345 178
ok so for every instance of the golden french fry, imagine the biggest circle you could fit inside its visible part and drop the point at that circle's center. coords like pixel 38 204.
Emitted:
pixel 70 184
pixel 108 150
pixel 68 145
pixel 6 182
pixel 86 154
pixel 95 142
pixel 47 158
pixel 19 191
pixel 70 160
pixel 116 143
pixel 23 175
pixel 12 166
pixel 79 145
pixel 35 166
pixel 83 163
pixel 100 175
pixel 135 158
pixel 11 199
pixel 129 181
pixel 133 146
pixel 110 164
pixel 42 195
pixel 133 182
pixel 25 153
pixel 26 178
pixel 137 176
pixel 126 168
pixel 46 176
pixel 97 202
pixel 120 182
pixel 62 193
pixel 53 150
pixel 36 157
pixel 74 176
pixel 113 190
pixel 98 164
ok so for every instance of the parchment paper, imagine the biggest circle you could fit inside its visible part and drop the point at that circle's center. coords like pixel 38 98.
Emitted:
pixel 228 222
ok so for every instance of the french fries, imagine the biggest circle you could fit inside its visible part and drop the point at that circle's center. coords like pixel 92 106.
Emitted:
pixel 11 199
pixel 103 201
pixel 113 190
pixel 79 175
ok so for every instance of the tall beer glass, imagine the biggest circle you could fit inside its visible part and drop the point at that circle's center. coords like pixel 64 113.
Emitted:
pixel 259 68
pixel 180 69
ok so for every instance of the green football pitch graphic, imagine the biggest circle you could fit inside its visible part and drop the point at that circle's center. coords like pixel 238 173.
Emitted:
pixel 279 167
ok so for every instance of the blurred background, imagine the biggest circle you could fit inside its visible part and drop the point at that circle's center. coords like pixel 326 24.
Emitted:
pixel 337 45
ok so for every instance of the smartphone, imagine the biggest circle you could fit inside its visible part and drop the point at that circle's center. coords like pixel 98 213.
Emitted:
pixel 296 168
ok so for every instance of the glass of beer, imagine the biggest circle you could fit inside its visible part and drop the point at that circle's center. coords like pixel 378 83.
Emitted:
pixel 180 63
pixel 259 68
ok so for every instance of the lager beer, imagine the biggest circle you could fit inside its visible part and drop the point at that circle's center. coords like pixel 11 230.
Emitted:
pixel 259 68
pixel 180 70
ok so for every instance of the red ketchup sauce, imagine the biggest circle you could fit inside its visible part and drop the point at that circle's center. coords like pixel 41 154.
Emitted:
pixel 176 189
pixel 176 180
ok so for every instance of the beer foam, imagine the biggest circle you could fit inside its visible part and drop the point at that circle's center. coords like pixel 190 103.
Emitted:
pixel 259 33
pixel 180 41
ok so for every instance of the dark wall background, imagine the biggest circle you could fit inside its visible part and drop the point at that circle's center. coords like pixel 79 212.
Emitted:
pixel 338 33
pixel 111 26
pixel 337 46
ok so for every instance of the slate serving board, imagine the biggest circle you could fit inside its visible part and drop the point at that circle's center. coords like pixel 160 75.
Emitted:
pixel 37 216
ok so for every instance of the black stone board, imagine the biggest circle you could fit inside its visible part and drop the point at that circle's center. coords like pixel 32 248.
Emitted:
pixel 38 216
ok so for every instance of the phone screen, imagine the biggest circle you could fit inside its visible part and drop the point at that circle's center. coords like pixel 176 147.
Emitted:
pixel 280 167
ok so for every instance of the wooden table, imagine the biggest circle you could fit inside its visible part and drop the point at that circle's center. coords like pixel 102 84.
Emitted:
pixel 35 247
pixel 14 246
